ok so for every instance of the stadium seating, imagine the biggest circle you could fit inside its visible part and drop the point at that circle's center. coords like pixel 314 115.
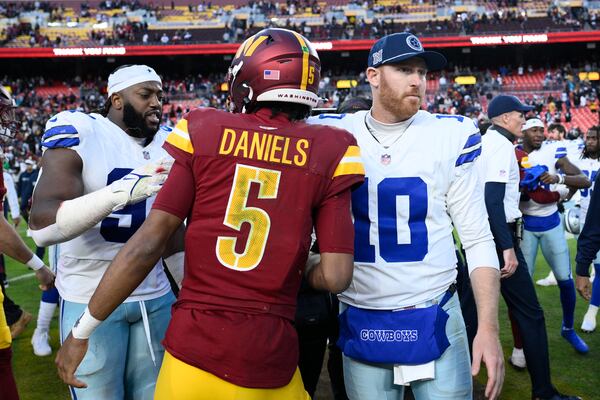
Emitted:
pixel 427 19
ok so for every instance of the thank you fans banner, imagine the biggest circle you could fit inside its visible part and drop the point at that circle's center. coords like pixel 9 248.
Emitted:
pixel 334 45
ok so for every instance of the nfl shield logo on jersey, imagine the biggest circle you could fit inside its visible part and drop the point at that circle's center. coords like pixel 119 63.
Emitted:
pixel 146 155
pixel 386 159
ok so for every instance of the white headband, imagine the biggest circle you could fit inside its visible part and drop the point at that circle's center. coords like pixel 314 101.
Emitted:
pixel 532 123
pixel 129 76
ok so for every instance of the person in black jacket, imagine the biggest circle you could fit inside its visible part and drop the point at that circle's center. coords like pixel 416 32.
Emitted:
pixel 499 173
pixel 25 186
pixel 588 245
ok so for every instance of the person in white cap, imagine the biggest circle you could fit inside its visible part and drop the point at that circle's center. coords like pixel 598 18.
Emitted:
pixel 542 223
pixel 99 179
pixel 420 179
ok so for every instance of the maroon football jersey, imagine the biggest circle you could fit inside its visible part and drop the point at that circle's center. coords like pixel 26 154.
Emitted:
pixel 251 187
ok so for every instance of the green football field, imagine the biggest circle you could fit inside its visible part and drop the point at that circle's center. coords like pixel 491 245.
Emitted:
pixel 571 372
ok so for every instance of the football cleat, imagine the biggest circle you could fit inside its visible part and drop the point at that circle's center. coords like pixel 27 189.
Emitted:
pixel 40 342
pixel 517 359
pixel 550 280
pixel 574 340
pixel 589 322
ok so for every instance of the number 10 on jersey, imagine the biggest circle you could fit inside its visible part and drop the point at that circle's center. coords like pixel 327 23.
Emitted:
pixel 388 220
pixel 238 212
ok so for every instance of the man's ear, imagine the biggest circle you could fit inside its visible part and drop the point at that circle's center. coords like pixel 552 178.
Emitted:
pixel 117 101
pixel 373 76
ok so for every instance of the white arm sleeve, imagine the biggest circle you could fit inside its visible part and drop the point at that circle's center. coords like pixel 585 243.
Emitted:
pixel 11 195
pixel 466 207
pixel 78 215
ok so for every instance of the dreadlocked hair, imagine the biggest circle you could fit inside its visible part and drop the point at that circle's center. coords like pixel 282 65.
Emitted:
pixel 586 153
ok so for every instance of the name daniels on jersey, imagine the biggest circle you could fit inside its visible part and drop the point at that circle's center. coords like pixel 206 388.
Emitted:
pixel 263 146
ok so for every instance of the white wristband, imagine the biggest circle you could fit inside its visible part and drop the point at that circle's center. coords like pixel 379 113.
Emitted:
pixel 35 263
pixel 85 325
pixel 561 179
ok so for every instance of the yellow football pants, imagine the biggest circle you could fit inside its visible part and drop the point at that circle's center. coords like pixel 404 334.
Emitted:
pixel 180 381
pixel 5 338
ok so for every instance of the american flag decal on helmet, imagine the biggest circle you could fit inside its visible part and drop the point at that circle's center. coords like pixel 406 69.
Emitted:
pixel 271 74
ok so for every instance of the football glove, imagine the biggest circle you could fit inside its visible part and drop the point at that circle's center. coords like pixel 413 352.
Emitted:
pixel 142 182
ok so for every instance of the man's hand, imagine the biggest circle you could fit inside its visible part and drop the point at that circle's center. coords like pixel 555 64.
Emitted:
pixel 486 348
pixel 142 182
pixel 584 286
pixel 510 263
pixel 549 178
pixel 16 221
pixel 69 357
pixel 45 277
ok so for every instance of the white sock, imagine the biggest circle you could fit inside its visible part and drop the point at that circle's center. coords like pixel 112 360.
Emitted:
pixel 45 315
pixel 592 311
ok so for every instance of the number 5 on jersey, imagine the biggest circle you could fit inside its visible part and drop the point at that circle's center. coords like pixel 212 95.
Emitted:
pixel 238 212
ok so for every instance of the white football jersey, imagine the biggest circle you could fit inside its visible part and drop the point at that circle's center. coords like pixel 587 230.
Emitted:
pixel 498 163
pixel 108 154
pixel 546 155
pixel 589 167
pixel 414 190
pixel 574 148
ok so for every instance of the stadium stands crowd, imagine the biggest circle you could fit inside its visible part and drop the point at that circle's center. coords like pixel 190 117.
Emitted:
pixel 558 94
pixel 48 24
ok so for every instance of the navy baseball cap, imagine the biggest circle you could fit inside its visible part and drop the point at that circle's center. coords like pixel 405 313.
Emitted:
pixel 503 103
pixel 398 47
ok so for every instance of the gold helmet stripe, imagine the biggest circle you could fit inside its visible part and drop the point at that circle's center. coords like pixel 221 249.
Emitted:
pixel 305 55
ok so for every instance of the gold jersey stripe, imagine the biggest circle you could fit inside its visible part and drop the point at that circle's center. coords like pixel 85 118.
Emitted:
pixel 181 143
pixel 180 137
pixel 181 133
pixel 305 55
pixel 353 168
pixel 353 151
pixel 182 125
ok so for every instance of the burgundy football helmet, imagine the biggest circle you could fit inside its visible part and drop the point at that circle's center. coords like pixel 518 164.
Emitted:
pixel 274 65
pixel 8 122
